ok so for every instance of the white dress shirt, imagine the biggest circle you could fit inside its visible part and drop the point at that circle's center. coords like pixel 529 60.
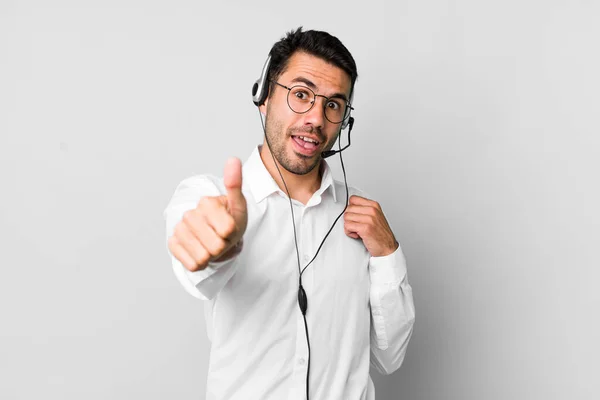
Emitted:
pixel 360 308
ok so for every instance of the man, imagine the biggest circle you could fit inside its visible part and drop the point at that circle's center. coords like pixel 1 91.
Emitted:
pixel 254 251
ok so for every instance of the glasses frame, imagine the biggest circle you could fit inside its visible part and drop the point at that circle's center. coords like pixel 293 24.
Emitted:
pixel 350 108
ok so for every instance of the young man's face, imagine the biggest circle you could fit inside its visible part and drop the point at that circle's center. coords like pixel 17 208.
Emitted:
pixel 284 126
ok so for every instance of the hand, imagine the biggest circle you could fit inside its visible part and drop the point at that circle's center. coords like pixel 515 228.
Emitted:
pixel 364 220
pixel 214 229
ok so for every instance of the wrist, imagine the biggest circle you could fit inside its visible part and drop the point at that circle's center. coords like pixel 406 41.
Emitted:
pixel 388 250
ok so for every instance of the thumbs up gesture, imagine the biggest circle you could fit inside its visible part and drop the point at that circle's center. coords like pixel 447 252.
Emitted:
pixel 213 231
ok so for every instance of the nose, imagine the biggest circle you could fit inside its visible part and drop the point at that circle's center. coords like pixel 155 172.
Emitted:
pixel 316 115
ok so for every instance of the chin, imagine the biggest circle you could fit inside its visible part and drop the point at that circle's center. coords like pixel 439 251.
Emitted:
pixel 303 167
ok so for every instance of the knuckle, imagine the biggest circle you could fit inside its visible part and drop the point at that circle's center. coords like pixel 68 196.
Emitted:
pixel 204 203
pixel 215 247
pixel 192 267
pixel 225 227
pixel 203 260
pixel 200 262
pixel 179 230
pixel 229 226
pixel 188 216
pixel 219 247
pixel 198 267
pixel 172 243
pixel 184 258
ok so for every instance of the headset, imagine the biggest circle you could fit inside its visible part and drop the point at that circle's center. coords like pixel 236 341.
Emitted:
pixel 260 92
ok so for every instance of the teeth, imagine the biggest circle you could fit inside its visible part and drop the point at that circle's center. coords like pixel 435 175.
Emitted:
pixel 308 139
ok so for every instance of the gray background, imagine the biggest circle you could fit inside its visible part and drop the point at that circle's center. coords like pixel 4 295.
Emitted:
pixel 476 129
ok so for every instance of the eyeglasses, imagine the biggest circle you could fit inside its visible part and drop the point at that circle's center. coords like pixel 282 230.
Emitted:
pixel 301 99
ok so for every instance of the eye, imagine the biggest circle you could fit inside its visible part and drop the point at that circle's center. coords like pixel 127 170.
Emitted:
pixel 301 94
pixel 334 105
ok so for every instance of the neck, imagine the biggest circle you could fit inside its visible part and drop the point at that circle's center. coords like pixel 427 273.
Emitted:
pixel 300 187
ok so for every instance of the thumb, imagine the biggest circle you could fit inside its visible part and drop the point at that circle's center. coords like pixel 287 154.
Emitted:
pixel 232 178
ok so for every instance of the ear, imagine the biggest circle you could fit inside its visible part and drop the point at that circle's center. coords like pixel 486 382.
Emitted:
pixel 263 107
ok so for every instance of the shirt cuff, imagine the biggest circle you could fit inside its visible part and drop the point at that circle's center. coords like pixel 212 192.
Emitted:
pixel 198 276
pixel 388 269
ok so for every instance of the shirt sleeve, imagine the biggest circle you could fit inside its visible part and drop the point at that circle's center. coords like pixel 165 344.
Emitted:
pixel 392 311
pixel 203 284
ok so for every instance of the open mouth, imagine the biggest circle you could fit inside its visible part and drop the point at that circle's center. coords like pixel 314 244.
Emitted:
pixel 305 144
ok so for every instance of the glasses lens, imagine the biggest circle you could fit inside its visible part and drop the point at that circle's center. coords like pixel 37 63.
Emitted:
pixel 301 99
pixel 336 110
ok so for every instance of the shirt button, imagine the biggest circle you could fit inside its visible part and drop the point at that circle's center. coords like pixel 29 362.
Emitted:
pixel 306 258
pixel 301 361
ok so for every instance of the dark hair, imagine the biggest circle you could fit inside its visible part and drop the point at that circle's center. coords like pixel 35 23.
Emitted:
pixel 316 43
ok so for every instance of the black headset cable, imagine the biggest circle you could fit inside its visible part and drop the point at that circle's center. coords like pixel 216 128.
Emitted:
pixel 302 298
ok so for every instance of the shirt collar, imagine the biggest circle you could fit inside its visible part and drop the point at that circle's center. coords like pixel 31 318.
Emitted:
pixel 262 184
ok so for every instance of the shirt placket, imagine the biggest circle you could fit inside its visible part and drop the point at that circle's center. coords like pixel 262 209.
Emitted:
pixel 301 358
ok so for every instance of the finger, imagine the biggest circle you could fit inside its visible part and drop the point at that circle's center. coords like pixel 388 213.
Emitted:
pixel 350 233
pixel 179 252
pixel 222 222
pixel 357 217
pixel 232 178
pixel 353 227
pixel 362 201
pixel 191 244
pixel 212 211
pixel 212 242
pixel 358 200
pixel 362 209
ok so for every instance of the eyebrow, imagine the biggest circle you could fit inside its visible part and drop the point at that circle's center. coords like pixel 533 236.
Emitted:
pixel 311 85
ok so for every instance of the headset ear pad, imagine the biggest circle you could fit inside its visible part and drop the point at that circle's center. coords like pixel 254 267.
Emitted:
pixel 347 120
pixel 344 125
pixel 260 89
